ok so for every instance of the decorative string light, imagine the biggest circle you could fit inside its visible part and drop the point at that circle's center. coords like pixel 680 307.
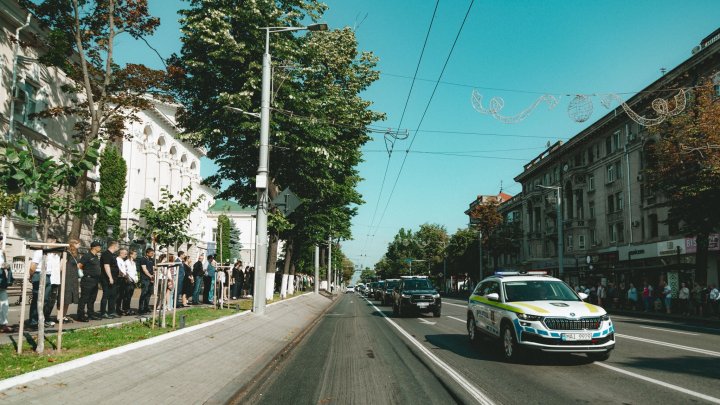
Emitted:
pixel 659 105
pixel 497 104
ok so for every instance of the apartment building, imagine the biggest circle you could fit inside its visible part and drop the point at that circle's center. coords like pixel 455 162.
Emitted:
pixel 615 227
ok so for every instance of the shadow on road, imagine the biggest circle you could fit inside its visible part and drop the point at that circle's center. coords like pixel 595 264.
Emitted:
pixel 687 365
pixel 490 351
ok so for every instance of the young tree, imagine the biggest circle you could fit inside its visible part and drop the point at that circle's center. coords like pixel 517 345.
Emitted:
pixel 168 223
pixel 223 237
pixel 112 189
pixel 80 40
pixel 684 166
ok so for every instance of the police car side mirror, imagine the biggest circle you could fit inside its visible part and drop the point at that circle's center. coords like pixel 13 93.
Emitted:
pixel 582 296
pixel 493 297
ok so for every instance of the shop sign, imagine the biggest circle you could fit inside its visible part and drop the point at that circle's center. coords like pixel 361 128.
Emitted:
pixel 713 244
pixel 672 247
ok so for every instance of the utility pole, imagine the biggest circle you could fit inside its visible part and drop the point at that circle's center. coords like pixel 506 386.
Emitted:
pixel 329 266
pixel 480 253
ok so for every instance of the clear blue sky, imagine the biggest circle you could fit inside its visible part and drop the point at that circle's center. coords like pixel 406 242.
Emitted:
pixel 558 47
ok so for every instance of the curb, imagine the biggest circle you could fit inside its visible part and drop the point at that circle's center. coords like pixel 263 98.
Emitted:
pixel 652 316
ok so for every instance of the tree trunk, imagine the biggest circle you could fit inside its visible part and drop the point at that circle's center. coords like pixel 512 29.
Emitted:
pixel 271 264
pixel 284 287
pixel 701 258
pixel 77 221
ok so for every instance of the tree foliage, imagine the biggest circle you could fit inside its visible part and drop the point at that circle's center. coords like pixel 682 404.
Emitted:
pixel 367 275
pixel 112 189
pixel 425 248
pixel 319 120
pixel 80 37
pixel 684 166
pixel 223 238
pixel 168 223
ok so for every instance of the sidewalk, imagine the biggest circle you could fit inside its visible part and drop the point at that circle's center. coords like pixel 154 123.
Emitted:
pixel 692 320
pixel 206 363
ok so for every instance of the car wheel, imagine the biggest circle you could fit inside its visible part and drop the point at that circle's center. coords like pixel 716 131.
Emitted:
pixel 395 310
pixel 436 314
pixel 472 330
pixel 599 356
pixel 511 349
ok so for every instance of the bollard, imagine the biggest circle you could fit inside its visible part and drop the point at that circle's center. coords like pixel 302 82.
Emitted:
pixel 182 321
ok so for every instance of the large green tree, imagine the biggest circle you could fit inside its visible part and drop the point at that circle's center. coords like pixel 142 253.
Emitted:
pixel 684 165
pixel 319 120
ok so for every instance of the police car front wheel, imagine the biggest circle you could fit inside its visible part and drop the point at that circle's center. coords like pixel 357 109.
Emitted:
pixel 511 349
pixel 599 356
pixel 472 330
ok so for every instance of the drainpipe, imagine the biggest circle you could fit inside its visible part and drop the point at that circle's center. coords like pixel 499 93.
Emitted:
pixel 14 87
pixel 629 197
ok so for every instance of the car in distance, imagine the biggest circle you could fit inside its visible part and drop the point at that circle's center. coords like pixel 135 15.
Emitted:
pixel 350 289
pixel 386 295
pixel 379 288
pixel 416 294
pixel 532 311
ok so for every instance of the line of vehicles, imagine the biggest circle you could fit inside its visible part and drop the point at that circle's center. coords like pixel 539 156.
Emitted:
pixel 407 294
pixel 522 311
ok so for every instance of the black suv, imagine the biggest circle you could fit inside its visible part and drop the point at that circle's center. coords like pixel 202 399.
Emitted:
pixel 416 294
pixel 386 294
pixel 379 288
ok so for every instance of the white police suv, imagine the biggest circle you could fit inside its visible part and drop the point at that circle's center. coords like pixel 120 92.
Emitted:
pixel 534 311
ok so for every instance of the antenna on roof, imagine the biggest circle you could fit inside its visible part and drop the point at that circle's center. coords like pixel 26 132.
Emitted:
pixel 501 186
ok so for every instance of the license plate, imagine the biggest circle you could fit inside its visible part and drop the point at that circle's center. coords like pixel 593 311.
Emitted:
pixel 573 337
pixel 423 304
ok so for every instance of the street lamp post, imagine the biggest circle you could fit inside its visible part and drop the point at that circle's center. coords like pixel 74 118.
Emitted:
pixel 261 180
pixel 561 248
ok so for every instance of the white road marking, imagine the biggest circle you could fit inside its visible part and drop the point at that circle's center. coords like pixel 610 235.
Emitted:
pixel 669 330
pixel 455 305
pixel 661 383
pixel 457 319
pixel 426 322
pixel 691 327
pixel 475 392
pixel 673 345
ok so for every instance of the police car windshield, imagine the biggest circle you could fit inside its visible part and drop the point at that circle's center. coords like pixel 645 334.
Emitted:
pixel 538 290
pixel 391 284
pixel 417 285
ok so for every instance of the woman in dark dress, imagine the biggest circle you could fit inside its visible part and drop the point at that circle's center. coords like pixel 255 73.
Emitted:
pixel 188 281
pixel 72 287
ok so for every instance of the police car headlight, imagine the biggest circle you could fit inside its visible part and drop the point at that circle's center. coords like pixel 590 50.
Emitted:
pixel 436 295
pixel 527 317
pixel 605 317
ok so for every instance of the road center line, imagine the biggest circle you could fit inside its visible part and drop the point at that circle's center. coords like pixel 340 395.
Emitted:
pixel 661 383
pixel 475 392
pixel 455 305
pixel 673 345
pixel 669 330
pixel 457 319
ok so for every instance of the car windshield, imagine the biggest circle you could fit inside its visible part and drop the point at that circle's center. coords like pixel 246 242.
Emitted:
pixel 391 284
pixel 417 285
pixel 540 290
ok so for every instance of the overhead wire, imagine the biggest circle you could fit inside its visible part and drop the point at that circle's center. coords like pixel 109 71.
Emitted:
pixel 427 107
pixel 402 116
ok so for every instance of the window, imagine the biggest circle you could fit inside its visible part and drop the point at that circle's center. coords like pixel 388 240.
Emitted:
pixel 569 243
pixel 591 209
pixel 673 226
pixel 608 146
pixel 26 103
pixel 581 241
pixel 612 233
pixel 620 231
pixel 610 207
pixel 590 155
pixel 610 173
pixel 653 225
pixel 593 237
pixel 591 182
pixel 619 201
pixel 578 159
pixel 616 140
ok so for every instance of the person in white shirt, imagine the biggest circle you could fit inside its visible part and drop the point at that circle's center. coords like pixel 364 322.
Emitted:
pixel 684 297
pixel 121 281
pixel 714 298
pixel 131 278
pixel 52 283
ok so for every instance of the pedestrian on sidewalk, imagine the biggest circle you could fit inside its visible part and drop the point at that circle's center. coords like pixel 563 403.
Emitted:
pixel 90 266
pixel 667 297
pixel 147 280
pixel 108 280
pixel 198 275
pixel 121 280
pixel 212 274
pixel 130 282
pixel 6 280
pixel 647 297
pixel 683 298
pixel 714 298
pixel 237 278
pixel 52 284
pixel 188 281
pixel 72 278
pixel 180 268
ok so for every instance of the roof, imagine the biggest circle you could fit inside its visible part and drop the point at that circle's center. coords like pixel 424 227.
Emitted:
pixel 222 206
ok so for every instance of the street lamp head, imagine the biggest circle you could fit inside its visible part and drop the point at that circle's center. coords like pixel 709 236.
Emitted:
pixel 317 27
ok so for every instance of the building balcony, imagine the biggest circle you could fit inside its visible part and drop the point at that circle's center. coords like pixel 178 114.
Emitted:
pixel 616 216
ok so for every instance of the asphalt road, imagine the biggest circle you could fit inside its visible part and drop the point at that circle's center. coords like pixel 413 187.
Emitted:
pixel 360 354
